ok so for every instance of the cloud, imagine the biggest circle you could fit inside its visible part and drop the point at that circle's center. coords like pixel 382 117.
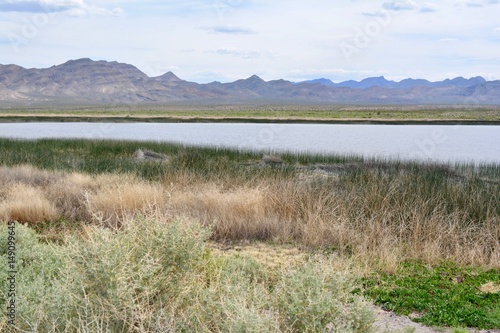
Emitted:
pixel 497 30
pixel 481 3
pixel 72 7
pixel 403 5
pixel 449 39
pixel 36 6
pixel 246 54
pixel 400 5
pixel 380 13
pixel 238 53
pixel 229 30
pixel 428 7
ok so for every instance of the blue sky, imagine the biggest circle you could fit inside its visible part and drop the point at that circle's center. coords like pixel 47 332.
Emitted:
pixel 225 40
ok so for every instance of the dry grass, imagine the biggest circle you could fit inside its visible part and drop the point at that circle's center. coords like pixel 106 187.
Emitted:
pixel 378 220
pixel 272 256
pixel 31 196
pixel 27 204
pixel 119 198
pixel 235 214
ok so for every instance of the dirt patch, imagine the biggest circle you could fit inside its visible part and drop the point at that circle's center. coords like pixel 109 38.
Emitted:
pixel 389 322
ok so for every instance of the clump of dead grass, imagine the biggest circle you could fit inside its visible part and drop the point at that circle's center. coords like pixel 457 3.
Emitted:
pixel 233 214
pixel 27 204
pixel 32 196
pixel 382 215
pixel 118 198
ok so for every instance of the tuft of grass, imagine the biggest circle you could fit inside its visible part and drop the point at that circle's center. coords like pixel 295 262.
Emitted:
pixel 122 198
pixel 27 204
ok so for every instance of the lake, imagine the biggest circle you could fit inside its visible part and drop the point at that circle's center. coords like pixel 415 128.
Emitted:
pixel 443 143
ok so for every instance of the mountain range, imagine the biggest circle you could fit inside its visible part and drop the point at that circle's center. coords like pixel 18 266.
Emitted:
pixel 88 82
pixel 404 84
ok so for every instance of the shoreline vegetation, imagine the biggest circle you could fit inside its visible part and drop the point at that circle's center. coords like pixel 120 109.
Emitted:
pixel 452 115
pixel 141 237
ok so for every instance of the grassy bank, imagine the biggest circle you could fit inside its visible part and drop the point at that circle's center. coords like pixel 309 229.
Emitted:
pixel 465 114
pixel 90 200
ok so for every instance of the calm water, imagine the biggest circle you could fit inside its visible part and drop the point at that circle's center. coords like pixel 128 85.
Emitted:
pixel 424 142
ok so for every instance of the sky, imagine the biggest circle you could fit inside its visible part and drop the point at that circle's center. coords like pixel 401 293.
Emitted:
pixel 226 40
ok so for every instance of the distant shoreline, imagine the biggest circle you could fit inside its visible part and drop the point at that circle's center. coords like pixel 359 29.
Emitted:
pixel 10 118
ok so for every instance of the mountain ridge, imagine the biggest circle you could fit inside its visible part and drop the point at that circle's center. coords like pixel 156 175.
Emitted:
pixel 85 81
pixel 381 81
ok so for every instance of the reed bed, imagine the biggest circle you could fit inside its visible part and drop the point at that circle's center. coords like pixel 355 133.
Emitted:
pixel 382 212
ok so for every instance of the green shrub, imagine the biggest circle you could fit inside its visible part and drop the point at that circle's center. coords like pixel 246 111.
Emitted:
pixel 133 273
pixel 157 276
pixel 39 301
pixel 314 297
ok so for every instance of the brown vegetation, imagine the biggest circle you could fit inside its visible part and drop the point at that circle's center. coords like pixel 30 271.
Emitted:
pixel 381 222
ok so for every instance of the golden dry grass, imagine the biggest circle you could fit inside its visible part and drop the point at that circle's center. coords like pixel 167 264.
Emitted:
pixel 241 213
pixel 121 198
pixel 27 204
pixel 377 224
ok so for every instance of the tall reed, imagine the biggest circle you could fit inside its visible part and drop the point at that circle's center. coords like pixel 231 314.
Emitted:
pixel 382 211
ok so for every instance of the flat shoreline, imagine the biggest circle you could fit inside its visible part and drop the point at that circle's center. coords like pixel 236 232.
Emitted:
pixel 16 118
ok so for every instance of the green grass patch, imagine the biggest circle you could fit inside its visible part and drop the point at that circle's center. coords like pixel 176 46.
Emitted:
pixel 443 295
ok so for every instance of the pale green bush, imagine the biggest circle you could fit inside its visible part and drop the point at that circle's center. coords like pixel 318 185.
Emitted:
pixel 155 276
pixel 314 296
pixel 39 301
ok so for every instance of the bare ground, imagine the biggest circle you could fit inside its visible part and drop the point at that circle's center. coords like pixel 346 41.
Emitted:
pixel 389 322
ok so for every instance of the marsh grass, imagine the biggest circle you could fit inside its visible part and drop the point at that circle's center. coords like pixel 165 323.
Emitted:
pixel 107 225
pixel 383 212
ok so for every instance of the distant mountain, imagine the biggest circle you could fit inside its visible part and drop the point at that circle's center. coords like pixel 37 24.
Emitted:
pixel 404 84
pixel 168 77
pixel 323 81
pixel 88 82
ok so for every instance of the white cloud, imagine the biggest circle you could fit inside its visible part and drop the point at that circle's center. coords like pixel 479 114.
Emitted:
pixel 497 30
pixel 237 53
pixel 71 7
pixel 400 5
pixel 428 7
pixel 480 3
pixel 406 5
pixel 230 30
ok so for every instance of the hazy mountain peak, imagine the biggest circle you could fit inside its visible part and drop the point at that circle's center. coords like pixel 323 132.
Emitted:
pixel 381 81
pixel 323 81
pixel 11 68
pixel 255 78
pixel 169 76
pixel 78 61
pixel 87 66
